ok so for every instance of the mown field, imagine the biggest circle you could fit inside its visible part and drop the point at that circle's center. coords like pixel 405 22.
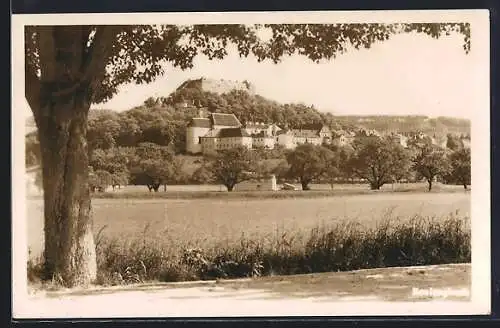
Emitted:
pixel 207 222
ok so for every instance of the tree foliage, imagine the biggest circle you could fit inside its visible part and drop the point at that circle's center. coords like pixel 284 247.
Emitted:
pixel 430 162
pixel 460 167
pixel 308 162
pixel 153 165
pixel 378 161
pixel 232 166
pixel 112 55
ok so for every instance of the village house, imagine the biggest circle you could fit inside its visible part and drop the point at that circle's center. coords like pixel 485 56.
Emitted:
pixel 286 139
pixel 225 138
pixel 258 127
pixel 263 140
pixel 206 131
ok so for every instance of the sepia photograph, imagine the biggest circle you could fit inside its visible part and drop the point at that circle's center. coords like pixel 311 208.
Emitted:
pixel 251 164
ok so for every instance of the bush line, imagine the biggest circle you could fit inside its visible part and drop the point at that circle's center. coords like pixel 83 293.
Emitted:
pixel 343 246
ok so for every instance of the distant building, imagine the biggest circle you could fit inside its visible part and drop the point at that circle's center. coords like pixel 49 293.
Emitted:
pixel 220 131
pixel 286 139
pixel 263 140
pixel 200 128
pixel 225 138
pixel 259 127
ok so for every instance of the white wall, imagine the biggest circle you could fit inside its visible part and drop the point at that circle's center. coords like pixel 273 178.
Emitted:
pixel 192 139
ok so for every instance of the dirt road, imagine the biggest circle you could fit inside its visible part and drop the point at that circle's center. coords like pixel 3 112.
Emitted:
pixel 443 289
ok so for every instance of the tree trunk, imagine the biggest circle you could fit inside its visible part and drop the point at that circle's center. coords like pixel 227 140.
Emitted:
pixel 164 187
pixel 69 254
pixel 429 181
pixel 230 187
pixel 465 186
pixel 305 185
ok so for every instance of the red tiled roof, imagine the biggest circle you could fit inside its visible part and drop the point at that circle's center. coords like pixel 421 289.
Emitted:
pixel 227 133
pixel 233 132
pixel 225 119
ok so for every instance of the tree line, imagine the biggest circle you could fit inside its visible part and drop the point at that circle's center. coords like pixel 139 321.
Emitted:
pixel 376 161
pixel 118 157
pixel 372 160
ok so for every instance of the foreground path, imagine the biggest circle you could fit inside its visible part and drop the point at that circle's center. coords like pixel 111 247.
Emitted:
pixel 440 289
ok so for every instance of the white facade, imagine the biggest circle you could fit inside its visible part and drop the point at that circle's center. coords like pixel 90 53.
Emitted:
pixel 287 140
pixel 193 139
pixel 263 142
pixel 210 144
pixel 224 131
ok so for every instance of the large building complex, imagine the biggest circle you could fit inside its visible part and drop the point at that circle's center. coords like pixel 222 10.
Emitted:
pixel 218 131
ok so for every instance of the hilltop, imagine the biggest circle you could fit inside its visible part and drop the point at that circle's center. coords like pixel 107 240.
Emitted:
pixel 217 86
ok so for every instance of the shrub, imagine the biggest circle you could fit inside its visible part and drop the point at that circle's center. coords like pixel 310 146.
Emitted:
pixel 343 246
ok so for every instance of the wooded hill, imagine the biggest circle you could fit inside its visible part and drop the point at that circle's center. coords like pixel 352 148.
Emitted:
pixel 163 120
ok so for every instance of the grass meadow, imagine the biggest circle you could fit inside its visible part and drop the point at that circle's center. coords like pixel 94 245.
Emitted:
pixel 141 239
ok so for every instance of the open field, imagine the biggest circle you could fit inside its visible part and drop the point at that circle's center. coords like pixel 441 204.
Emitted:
pixel 205 222
pixel 220 191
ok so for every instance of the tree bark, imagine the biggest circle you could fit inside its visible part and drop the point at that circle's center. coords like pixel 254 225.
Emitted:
pixel 305 185
pixel 70 254
pixel 429 181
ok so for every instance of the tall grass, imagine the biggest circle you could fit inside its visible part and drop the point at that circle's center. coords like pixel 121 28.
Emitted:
pixel 343 246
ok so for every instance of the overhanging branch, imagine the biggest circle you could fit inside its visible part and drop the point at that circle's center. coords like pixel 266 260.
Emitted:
pixel 95 60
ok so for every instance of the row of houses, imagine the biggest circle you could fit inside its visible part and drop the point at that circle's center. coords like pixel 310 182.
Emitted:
pixel 218 131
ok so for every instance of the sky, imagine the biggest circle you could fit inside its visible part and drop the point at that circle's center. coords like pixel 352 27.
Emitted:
pixel 410 74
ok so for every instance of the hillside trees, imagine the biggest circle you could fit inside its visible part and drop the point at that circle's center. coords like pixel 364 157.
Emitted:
pixel 67 68
pixel 202 174
pixel 115 161
pixel 453 142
